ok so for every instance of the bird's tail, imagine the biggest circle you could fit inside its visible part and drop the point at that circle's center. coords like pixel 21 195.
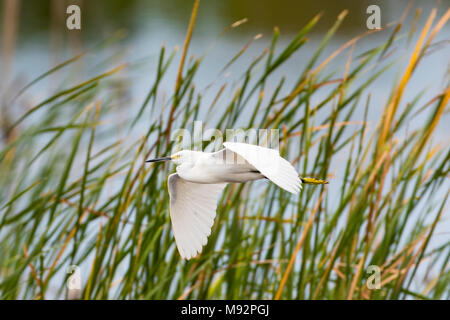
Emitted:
pixel 313 181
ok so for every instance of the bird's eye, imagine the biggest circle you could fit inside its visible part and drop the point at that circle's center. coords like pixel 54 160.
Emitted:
pixel 176 156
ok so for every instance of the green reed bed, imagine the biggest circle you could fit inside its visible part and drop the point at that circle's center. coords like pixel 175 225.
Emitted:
pixel 72 194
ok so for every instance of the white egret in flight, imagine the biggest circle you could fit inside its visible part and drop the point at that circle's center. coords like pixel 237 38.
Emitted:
pixel 201 177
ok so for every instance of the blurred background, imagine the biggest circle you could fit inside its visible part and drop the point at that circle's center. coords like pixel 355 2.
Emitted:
pixel 34 39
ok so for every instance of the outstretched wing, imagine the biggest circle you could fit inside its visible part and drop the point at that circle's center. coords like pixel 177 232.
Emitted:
pixel 192 211
pixel 269 163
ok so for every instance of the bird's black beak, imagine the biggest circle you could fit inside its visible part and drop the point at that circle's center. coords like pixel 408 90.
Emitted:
pixel 159 159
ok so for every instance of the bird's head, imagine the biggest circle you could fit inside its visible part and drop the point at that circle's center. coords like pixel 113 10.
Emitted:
pixel 178 158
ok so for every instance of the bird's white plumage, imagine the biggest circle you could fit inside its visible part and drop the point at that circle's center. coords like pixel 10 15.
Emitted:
pixel 201 177
pixel 192 211
pixel 269 163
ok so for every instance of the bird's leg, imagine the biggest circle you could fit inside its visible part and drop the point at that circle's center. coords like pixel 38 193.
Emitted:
pixel 307 180
pixel 313 181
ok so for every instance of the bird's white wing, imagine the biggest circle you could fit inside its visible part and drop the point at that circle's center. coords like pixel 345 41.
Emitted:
pixel 269 163
pixel 192 211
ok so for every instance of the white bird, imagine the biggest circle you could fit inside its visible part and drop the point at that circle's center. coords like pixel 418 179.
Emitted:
pixel 201 177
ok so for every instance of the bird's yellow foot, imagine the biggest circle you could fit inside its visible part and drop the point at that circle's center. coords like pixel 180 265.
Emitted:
pixel 313 181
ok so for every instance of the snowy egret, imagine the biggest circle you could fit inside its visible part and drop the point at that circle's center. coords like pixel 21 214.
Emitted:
pixel 201 177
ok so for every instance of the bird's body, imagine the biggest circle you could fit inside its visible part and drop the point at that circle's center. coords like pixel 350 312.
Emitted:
pixel 207 168
pixel 201 177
